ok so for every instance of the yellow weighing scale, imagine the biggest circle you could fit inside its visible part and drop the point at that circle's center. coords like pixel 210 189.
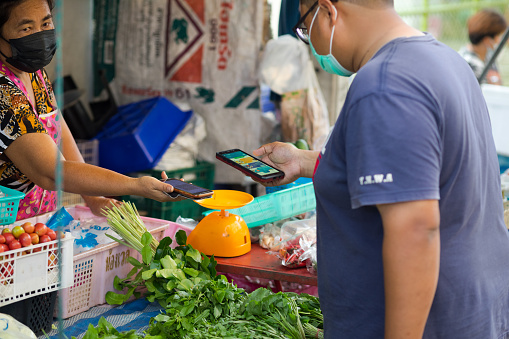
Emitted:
pixel 222 234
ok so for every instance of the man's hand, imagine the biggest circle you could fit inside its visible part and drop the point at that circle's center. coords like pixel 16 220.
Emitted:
pixel 289 159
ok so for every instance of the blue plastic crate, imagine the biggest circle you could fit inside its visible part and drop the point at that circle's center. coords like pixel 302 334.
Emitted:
pixel 503 162
pixel 137 136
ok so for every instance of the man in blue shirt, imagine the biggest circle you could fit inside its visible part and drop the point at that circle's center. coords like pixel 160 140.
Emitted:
pixel 411 237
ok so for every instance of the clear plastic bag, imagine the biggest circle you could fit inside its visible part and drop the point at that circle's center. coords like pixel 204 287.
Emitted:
pixel 89 233
pixel 309 257
pixel 189 222
pixel 296 238
pixel 10 328
pixel 269 235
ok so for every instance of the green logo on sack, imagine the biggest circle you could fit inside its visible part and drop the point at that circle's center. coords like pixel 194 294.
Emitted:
pixel 206 94
pixel 180 27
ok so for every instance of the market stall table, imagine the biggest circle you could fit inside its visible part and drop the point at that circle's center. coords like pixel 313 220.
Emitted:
pixel 258 263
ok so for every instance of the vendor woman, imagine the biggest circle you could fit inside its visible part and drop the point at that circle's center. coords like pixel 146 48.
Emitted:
pixel 31 128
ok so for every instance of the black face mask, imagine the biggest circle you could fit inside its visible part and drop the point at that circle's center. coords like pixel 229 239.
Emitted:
pixel 32 52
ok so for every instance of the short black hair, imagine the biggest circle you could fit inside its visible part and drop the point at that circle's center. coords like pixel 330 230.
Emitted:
pixel 485 23
pixel 6 7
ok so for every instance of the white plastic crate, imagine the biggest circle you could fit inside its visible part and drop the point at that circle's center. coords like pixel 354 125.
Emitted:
pixel 497 100
pixel 25 273
pixel 69 199
pixel 89 150
pixel 95 270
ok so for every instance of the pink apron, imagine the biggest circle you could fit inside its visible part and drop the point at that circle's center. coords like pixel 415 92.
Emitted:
pixel 37 200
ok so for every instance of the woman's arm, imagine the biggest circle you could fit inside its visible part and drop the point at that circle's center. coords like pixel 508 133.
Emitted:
pixel 35 154
pixel 71 152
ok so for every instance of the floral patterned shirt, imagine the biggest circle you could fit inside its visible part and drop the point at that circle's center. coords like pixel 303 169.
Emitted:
pixel 18 117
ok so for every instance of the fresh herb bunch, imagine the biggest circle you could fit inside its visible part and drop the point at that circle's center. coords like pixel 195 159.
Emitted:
pixel 126 222
pixel 105 330
pixel 259 315
pixel 165 273
pixel 198 303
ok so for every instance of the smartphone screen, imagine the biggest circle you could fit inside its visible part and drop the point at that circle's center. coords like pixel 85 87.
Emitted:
pixel 251 164
pixel 188 189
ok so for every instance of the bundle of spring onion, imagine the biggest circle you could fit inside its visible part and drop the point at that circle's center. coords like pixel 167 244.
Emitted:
pixel 126 222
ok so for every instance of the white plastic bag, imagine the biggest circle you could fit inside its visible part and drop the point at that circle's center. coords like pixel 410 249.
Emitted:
pixel 287 69
pixel 183 151
pixel 10 328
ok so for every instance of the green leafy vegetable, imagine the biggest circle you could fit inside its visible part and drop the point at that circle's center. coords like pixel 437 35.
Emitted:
pixel 200 304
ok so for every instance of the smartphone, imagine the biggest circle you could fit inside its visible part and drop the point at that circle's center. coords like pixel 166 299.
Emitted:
pixel 189 190
pixel 250 165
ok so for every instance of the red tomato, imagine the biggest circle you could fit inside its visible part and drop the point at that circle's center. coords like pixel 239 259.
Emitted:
pixel 44 238
pixel 35 238
pixel 14 245
pixel 4 247
pixel 17 231
pixel 52 234
pixel 40 229
pixel 38 249
pixel 28 227
pixel 7 271
pixel 25 239
pixel 8 238
pixel 2 239
pixel 6 230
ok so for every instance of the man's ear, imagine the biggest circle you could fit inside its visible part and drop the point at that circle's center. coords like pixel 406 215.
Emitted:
pixel 489 42
pixel 328 7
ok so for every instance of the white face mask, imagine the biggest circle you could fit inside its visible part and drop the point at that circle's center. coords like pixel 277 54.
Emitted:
pixel 328 62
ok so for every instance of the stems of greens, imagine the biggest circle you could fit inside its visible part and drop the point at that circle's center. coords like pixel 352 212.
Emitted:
pixel 126 222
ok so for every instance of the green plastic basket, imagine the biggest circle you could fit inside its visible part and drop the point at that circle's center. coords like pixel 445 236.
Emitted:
pixel 9 205
pixel 278 205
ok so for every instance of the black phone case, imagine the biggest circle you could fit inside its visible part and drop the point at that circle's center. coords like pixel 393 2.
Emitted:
pixel 176 194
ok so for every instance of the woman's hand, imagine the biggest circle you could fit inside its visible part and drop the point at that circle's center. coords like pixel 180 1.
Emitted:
pixel 289 159
pixel 152 188
pixel 96 204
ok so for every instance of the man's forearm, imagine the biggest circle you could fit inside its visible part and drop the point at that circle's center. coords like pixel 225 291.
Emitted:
pixel 411 261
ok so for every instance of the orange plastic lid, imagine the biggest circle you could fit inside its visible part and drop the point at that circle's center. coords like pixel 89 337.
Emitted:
pixel 226 199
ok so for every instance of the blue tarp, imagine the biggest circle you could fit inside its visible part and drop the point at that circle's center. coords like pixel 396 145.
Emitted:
pixel 133 315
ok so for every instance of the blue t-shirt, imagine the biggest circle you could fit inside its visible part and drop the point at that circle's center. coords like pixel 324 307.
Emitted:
pixel 414 126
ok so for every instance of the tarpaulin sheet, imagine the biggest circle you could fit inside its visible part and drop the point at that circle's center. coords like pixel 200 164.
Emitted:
pixel 133 315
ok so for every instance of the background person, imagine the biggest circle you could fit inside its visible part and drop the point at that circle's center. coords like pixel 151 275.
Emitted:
pixel 485 30
pixel 30 127
pixel 411 238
